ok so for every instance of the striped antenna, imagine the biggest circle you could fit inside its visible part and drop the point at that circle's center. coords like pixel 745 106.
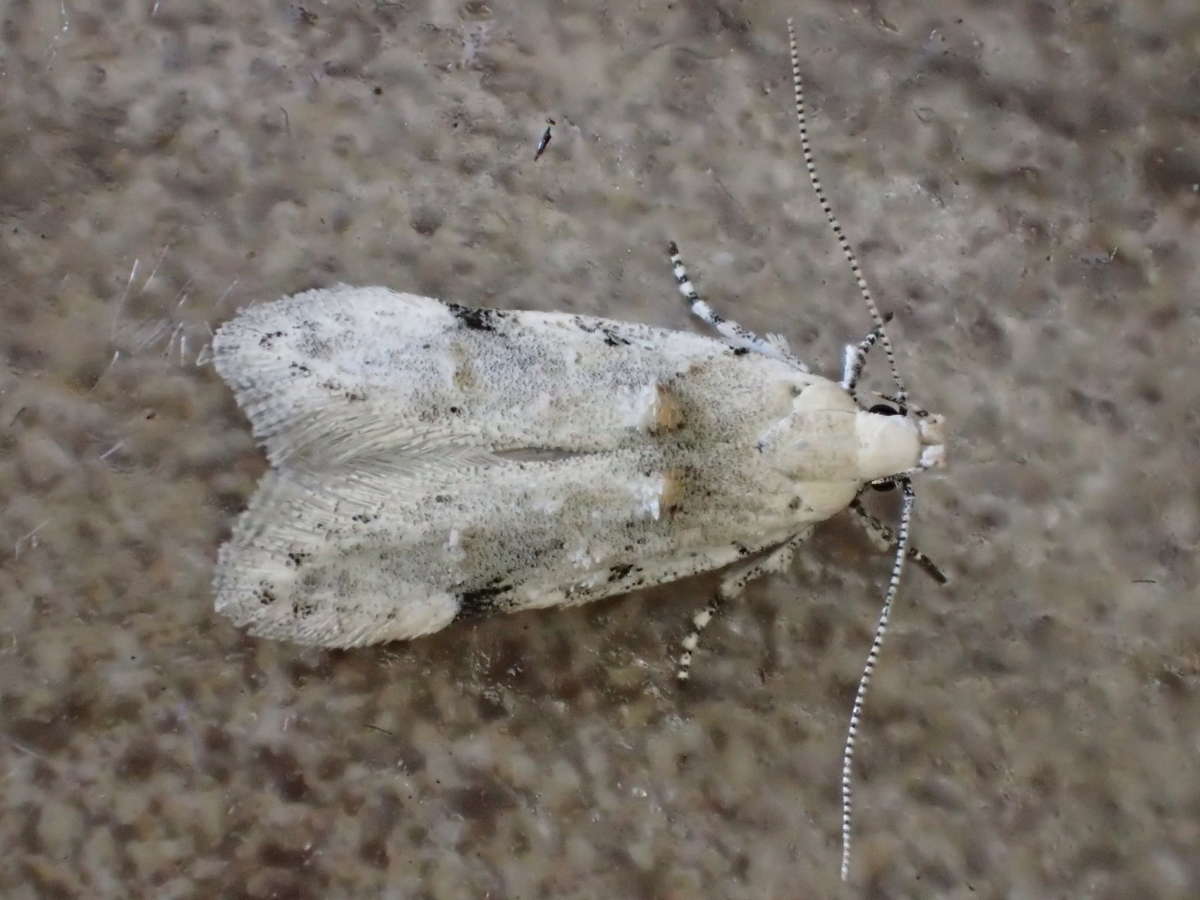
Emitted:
pixel 864 681
pixel 843 242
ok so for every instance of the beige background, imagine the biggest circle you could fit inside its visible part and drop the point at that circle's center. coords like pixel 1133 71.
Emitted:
pixel 1023 182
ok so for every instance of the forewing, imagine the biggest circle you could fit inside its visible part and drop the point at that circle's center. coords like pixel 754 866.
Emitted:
pixel 360 554
pixel 331 374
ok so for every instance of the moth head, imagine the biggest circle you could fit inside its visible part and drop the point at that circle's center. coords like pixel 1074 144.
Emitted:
pixel 897 439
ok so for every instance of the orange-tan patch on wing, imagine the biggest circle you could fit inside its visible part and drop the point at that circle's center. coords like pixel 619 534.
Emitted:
pixel 667 411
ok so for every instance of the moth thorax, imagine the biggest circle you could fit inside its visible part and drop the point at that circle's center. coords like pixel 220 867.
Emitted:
pixel 887 445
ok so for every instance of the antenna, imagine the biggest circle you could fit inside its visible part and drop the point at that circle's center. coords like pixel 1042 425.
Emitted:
pixel 855 358
pixel 848 251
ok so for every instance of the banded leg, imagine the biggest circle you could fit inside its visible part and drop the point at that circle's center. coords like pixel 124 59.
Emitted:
pixel 855 357
pixel 732 584
pixel 885 538
pixel 736 335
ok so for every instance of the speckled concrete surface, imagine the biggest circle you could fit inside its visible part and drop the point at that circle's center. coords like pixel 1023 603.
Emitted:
pixel 1023 181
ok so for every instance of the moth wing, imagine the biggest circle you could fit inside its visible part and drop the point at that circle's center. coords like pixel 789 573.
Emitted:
pixel 301 564
pixel 291 365
pixel 330 374
pixel 367 553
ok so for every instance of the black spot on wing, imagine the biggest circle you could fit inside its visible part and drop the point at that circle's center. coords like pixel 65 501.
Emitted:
pixel 612 339
pixel 481 602
pixel 476 319
pixel 616 573
pixel 607 333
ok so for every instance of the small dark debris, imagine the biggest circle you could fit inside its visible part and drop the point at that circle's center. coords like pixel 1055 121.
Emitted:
pixel 545 141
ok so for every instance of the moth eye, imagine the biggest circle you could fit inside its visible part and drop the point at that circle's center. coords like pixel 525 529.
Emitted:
pixel 883 486
pixel 884 409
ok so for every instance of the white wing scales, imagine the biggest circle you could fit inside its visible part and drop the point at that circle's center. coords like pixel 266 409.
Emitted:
pixel 332 374
pixel 434 462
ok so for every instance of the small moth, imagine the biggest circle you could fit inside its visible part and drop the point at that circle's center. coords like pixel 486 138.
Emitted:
pixel 432 462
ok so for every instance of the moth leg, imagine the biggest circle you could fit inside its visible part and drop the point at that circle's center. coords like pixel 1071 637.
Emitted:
pixel 885 538
pixel 732 584
pixel 855 357
pixel 736 335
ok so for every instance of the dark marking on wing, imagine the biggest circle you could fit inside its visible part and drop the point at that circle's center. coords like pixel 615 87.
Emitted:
pixel 298 558
pixel 476 319
pixel 616 573
pixel 299 368
pixel 740 351
pixel 480 602
pixel 612 339
pixel 268 339
pixel 313 346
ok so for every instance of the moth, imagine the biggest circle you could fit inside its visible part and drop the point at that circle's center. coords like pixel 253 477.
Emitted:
pixel 433 462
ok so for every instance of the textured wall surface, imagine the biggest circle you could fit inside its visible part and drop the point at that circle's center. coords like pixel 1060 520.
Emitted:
pixel 1023 183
